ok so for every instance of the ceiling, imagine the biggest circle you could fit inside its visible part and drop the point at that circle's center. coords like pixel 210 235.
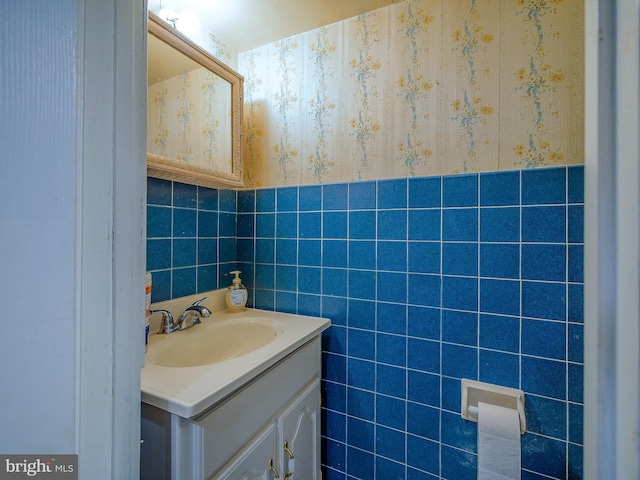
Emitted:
pixel 248 24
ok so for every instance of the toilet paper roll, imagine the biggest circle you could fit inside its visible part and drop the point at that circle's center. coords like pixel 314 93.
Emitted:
pixel 498 443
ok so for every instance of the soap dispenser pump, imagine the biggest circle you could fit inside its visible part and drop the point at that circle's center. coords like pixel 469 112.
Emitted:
pixel 236 295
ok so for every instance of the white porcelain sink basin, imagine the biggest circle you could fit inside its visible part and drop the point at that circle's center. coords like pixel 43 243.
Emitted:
pixel 217 341
pixel 189 371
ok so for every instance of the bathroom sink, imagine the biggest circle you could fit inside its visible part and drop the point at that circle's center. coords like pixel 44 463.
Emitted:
pixel 189 371
pixel 216 341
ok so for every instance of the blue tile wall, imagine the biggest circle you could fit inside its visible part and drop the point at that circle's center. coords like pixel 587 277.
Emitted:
pixel 192 237
pixel 426 280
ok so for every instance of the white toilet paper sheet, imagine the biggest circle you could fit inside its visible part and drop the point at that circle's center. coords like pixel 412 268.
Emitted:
pixel 498 443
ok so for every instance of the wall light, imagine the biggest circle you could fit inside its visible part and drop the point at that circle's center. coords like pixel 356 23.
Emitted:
pixel 168 15
pixel 186 22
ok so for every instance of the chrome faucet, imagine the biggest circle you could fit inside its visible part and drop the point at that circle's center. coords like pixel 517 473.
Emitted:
pixel 167 324
pixel 192 315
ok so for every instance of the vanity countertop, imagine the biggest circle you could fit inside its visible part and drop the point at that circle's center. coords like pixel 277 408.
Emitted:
pixel 187 391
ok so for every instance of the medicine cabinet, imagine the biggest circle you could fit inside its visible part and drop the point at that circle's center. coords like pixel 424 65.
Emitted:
pixel 194 112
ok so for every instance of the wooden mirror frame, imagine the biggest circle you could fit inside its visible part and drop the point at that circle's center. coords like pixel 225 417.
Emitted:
pixel 172 169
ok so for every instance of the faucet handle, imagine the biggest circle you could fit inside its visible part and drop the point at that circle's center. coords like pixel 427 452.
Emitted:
pixel 198 302
pixel 202 310
pixel 166 324
pixel 191 316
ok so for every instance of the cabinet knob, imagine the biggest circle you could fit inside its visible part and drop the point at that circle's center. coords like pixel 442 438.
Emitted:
pixel 273 469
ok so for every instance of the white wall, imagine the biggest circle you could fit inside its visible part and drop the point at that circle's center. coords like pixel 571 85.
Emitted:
pixel 37 225
pixel 72 230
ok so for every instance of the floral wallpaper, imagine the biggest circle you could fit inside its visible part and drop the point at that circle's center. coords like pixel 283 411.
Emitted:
pixel 421 87
pixel 179 120
pixel 473 117
pixel 322 105
pixel 286 103
pixel 221 51
pixel 415 88
pixel 540 81
pixel 364 125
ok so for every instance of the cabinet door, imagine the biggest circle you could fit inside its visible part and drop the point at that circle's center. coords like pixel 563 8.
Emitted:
pixel 299 428
pixel 254 462
pixel 234 423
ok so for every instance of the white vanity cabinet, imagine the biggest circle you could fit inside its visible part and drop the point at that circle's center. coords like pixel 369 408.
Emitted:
pixel 288 448
pixel 299 442
pixel 255 461
pixel 244 436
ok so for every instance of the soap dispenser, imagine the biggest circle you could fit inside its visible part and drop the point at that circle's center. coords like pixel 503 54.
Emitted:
pixel 236 295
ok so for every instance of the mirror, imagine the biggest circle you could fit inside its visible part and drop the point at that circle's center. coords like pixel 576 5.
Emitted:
pixel 194 112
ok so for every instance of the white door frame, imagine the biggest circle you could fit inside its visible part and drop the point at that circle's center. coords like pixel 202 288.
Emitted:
pixel 111 234
pixel 612 239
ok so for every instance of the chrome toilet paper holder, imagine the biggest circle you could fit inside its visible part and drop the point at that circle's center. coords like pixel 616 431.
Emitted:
pixel 474 392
